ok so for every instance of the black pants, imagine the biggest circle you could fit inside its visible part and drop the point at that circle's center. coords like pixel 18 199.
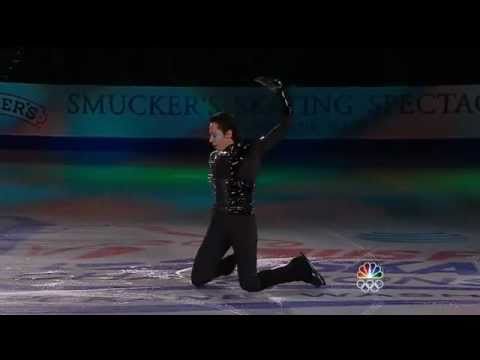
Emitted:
pixel 240 232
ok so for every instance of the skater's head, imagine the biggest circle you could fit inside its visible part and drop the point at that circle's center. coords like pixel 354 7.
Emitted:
pixel 222 131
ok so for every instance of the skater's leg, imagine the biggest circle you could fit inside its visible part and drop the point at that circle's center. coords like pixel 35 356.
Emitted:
pixel 243 235
pixel 244 241
pixel 209 264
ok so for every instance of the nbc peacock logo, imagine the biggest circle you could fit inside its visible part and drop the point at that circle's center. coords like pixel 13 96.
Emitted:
pixel 370 278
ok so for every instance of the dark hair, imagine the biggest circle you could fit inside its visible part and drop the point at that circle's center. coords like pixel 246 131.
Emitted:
pixel 226 122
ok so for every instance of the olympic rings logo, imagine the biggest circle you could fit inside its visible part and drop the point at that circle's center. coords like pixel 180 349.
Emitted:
pixel 370 286
pixel 370 278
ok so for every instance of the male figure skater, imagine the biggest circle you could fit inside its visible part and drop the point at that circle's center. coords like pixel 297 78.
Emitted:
pixel 234 166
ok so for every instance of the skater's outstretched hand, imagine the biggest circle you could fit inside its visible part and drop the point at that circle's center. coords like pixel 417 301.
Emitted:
pixel 276 86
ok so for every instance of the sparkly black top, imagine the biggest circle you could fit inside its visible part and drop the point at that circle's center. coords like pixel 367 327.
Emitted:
pixel 233 172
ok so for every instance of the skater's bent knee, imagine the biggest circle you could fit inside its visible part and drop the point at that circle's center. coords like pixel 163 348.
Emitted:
pixel 200 278
pixel 250 286
pixel 197 281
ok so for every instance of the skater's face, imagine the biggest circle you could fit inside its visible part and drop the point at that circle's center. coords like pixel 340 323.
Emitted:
pixel 218 139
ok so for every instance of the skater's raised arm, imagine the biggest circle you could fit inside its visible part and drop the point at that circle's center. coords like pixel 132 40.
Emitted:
pixel 279 132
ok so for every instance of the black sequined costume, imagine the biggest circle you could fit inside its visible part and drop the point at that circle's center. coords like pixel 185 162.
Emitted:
pixel 233 171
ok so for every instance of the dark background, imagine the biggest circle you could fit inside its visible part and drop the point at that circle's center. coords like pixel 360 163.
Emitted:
pixel 237 66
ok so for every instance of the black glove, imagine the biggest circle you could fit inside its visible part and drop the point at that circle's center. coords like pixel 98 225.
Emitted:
pixel 273 85
pixel 277 87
